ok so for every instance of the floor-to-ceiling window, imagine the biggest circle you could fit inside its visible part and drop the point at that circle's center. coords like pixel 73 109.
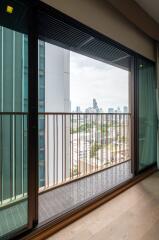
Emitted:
pixel 84 119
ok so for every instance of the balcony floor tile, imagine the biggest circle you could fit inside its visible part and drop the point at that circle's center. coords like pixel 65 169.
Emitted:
pixel 65 198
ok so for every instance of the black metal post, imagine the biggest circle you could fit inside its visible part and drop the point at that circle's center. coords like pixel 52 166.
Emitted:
pixel 33 118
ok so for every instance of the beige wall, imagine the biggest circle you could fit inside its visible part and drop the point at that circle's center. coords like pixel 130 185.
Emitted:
pixel 99 15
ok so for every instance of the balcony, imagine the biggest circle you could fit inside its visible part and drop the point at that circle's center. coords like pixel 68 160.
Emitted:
pixel 86 155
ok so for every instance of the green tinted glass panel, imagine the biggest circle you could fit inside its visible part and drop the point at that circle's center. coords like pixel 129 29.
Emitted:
pixel 13 131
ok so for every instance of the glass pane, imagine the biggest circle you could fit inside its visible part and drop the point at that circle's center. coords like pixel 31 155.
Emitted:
pixel 84 127
pixel 147 114
pixel 13 131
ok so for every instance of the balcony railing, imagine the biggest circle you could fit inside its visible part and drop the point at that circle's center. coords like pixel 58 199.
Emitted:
pixel 75 145
pixel 71 146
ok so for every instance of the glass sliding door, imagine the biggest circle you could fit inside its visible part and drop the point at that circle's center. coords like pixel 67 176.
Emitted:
pixel 13 131
pixel 147 113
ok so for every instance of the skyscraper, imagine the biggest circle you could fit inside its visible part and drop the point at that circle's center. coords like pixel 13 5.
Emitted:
pixel 14 98
pixel 118 110
pixel 125 109
pixel 110 110
pixel 78 109
pixel 95 105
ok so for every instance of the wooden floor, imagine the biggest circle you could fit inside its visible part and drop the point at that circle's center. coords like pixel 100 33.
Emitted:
pixel 133 215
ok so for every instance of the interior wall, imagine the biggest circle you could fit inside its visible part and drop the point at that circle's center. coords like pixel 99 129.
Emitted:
pixel 101 16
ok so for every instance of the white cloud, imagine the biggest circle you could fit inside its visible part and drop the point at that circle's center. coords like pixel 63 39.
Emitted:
pixel 94 79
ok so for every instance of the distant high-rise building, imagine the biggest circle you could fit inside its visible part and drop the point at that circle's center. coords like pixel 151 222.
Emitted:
pixel 95 105
pixel 125 109
pixel 78 110
pixel 100 110
pixel 118 110
pixel 110 110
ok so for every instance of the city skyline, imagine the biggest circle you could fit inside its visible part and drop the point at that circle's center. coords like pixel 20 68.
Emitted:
pixel 123 109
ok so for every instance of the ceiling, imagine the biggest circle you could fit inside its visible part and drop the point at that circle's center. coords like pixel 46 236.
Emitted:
pixel 151 7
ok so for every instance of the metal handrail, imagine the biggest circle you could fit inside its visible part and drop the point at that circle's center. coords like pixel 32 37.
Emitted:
pixel 61 113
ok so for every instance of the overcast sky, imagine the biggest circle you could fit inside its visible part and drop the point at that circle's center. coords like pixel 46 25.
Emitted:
pixel 94 79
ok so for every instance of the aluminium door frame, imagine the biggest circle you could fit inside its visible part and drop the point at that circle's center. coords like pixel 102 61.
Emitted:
pixel 33 117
